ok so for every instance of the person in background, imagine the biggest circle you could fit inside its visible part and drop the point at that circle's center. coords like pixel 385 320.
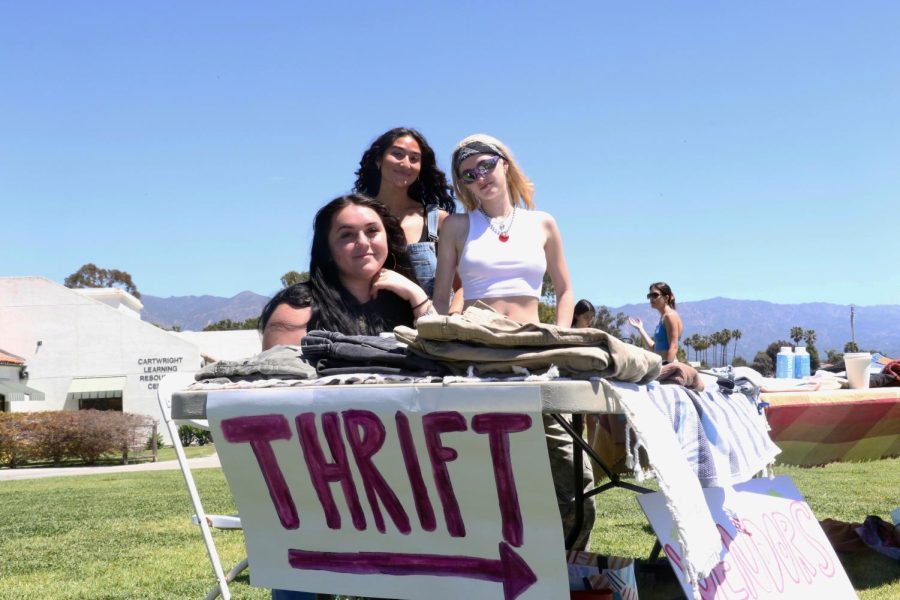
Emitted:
pixel 584 314
pixel 361 279
pixel 400 170
pixel 284 318
pixel 669 329
pixel 501 247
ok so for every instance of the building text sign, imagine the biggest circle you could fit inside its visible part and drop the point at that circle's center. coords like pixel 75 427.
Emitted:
pixel 772 544
pixel 394 491
pixel 154 368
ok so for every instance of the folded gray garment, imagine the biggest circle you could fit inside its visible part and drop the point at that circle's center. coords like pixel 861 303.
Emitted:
pixel 286 361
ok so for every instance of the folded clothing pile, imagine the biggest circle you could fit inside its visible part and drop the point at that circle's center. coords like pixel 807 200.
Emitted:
pixel 493 344
pixel 337 354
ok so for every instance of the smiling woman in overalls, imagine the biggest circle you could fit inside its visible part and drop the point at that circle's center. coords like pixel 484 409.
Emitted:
pixel 400 170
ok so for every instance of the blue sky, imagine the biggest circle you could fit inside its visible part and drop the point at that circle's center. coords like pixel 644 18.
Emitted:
pixel 745 150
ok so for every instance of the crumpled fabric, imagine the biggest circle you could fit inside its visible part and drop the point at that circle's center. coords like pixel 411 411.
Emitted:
pixel 494 345
pixel 286 361
pixel 881 536
pixel 680 374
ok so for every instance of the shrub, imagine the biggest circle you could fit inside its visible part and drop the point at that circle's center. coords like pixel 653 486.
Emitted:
pixel 54 435
pixel 189 434
pixel 60 435
pixel 100 432
pixel 15 442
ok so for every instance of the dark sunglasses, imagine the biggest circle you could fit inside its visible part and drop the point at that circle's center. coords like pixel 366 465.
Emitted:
pixel 653 295
pixel 470 176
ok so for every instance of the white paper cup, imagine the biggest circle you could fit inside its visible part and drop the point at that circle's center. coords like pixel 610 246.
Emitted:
pixel 857 365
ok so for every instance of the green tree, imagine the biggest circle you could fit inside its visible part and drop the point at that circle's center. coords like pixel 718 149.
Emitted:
pixel 547 305
pixel 796 335
pixel 292 277
pixel 611 324
pixel 763 363
pixel 810 336
pixel 848 347
pixel 229 325
pixel 91 276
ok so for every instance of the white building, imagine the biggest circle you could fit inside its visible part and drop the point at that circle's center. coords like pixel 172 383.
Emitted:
pixel 89 348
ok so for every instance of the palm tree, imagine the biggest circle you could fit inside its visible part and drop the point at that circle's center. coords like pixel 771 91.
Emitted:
pixel 736 334
pixel 715 338
pixel 810 336
pixel 688 342
pixel 725 338
pixel 796 334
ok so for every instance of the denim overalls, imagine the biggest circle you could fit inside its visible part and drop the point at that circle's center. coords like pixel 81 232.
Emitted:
pixel 423 255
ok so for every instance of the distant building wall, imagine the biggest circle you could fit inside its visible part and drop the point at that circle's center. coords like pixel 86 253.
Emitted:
pixel 224 345
pixel 63 334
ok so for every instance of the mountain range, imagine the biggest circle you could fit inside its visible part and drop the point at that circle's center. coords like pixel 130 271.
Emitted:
pixel 760 323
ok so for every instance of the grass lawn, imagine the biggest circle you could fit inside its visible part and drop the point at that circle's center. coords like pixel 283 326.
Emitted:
pixel 129 535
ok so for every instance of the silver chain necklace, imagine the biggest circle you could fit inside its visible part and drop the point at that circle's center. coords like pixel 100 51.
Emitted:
pixel 502 231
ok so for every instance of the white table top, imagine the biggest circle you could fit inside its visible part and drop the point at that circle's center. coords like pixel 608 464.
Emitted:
pixel 557 396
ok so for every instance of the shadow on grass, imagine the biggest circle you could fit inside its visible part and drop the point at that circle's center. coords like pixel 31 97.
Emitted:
pixel 868 569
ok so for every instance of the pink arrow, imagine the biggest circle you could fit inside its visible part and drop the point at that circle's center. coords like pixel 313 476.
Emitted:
pixel 511 570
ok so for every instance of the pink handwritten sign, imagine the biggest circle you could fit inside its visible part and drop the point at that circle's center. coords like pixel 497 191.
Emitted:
pixel 772 545
pixel 394 491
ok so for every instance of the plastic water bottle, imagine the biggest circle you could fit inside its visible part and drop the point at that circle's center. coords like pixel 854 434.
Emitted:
pixel 801 362
pixel 784 363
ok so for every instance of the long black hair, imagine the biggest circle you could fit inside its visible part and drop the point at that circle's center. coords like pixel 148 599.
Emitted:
pixel 334 308
pixel 430 187
pixel 582 307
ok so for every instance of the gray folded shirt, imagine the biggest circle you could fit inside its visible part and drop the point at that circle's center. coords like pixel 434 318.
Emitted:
pixel 283 361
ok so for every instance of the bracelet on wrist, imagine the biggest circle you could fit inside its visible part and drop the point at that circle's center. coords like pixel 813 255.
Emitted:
pixel 420 304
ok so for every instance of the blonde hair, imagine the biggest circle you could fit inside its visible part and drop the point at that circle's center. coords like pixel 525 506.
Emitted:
pixel 521 190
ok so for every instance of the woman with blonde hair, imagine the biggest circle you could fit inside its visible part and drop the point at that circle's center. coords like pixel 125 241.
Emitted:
pixel 501 249
pixel 502 246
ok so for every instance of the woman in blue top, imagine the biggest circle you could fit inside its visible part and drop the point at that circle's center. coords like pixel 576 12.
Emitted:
pixel 400 171
pixel 668 331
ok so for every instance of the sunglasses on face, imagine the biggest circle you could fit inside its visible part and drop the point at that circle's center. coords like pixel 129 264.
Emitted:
pixel 653 295
pixel 470 176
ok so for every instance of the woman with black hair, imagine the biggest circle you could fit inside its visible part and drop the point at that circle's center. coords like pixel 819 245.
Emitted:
pixel 668 331
pixel 361 280
pixel 584 314
pixel 400 170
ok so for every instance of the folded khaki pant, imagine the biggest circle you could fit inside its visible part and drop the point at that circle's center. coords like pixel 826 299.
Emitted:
pixel 495 344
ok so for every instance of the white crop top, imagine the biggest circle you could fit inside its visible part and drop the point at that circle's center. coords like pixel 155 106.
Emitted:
pixel 490 268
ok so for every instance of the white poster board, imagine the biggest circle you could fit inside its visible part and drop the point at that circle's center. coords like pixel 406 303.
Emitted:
pixel 772 544
pixel 394 491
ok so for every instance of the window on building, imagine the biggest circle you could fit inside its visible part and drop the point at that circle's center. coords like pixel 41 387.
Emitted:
pixel 2 403
pixel 114 403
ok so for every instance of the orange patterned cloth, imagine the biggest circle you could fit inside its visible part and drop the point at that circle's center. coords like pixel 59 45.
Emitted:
pixel 815 428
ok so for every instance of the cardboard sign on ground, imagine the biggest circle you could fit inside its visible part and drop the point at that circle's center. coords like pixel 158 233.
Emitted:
pixel 394 491
pixel 772 544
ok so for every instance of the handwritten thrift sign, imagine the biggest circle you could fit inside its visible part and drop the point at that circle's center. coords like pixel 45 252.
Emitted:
pixel 772 544
pixel 394 491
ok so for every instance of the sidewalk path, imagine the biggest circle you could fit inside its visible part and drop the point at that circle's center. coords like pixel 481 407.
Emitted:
pixel 205 462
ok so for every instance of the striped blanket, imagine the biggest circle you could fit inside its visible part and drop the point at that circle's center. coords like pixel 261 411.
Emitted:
pixel 723 436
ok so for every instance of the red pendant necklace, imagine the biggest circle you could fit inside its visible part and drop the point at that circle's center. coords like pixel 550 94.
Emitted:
pixel 503 230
